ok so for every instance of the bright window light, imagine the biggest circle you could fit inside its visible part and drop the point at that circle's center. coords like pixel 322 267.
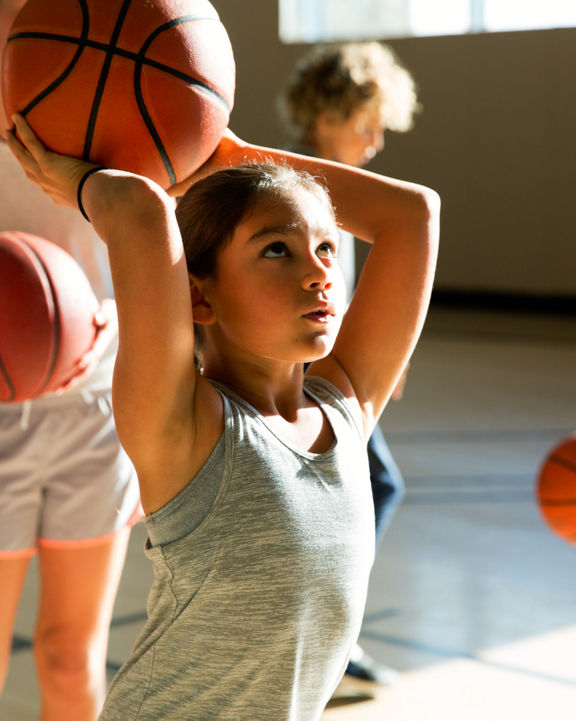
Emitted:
pixel 339 20
pixel 441 17
pixel 525 15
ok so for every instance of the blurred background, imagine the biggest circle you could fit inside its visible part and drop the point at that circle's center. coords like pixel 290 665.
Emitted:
pixel 495 137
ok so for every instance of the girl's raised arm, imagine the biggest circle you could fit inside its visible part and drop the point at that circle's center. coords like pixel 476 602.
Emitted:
pixel 154 375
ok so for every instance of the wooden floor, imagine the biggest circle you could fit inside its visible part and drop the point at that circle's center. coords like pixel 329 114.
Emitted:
pixel 472 599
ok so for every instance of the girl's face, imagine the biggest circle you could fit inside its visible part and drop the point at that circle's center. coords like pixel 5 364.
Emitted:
pixel 279 291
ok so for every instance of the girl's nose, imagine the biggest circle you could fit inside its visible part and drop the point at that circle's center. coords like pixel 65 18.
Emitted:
pixel 316 275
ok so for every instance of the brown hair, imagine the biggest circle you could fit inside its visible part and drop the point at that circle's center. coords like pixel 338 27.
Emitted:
pixel 344 78
pixel 210 210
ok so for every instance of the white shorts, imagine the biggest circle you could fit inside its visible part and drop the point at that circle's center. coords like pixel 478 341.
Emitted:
pixel 65 481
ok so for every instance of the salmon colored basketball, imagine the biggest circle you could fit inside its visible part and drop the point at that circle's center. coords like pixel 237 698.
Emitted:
pixel 556 489
pixel 139 85
pixel 46 316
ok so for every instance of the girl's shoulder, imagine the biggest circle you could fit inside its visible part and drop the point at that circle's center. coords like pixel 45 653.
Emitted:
pixel 332 372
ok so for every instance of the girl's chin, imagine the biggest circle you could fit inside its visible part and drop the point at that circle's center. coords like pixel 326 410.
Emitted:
pixel 321 350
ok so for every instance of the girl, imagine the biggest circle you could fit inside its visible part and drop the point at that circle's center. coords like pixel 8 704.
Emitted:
pixel 253 477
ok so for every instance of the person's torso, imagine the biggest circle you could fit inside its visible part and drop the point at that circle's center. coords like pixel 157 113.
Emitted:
pixel 261 570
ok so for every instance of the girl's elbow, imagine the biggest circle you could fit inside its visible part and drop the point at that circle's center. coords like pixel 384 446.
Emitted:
pixel 420 207
pixel 429 204
pixel 434 200
pixel 427 214
pixel 130 201
pixel 434 204
pixel 141 196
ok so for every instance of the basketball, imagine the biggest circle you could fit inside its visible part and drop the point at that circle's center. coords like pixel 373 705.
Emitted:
pixel 47 311
pixel 556 489
pixel 140 85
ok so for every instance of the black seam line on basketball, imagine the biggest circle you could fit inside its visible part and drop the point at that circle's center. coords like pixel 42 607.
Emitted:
pixel 167 26
pixel 128 54
pixel 155 135
pixel 103 77
pixel 559 461
pixel 56 326
pixel 53 85
pixel 10 385
pixel 149 123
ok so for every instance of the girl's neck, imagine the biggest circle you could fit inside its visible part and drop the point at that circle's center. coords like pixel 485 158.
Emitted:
pixel 270 393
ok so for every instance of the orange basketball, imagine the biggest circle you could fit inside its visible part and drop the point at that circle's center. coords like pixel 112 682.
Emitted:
pixel 140 85
pixel 46 316
pixel 556 489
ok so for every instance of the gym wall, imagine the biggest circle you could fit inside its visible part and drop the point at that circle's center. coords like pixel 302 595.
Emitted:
pixel 495 138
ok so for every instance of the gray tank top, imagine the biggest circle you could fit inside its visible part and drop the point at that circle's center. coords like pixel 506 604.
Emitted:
pixel 261 568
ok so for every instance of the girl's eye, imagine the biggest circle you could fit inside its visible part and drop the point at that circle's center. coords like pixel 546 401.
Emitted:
pixel 326 250
pixel 275 250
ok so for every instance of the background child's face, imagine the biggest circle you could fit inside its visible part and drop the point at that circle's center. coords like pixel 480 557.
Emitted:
pixel 354 141
pixel 279 291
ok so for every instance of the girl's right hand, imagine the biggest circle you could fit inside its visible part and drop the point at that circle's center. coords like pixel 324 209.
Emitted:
pixel 57 175
pixel 230 151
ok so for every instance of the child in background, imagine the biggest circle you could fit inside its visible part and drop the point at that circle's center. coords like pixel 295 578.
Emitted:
pixel 253 475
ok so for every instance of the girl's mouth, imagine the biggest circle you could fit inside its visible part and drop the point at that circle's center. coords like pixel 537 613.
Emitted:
pixel 318 316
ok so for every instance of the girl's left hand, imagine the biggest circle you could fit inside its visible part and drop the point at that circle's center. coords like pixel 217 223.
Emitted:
pixel 57 175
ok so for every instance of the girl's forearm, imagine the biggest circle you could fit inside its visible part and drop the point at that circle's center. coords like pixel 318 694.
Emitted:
pixel 367 205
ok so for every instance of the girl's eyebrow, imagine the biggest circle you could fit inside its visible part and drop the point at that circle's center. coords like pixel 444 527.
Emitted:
pixel 288 228
pixel 273 230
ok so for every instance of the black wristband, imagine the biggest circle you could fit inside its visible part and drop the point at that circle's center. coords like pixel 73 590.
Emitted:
pixel 83 179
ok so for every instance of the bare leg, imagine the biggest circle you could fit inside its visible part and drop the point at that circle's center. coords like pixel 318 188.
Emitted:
pixel 78 589
pixel 12 576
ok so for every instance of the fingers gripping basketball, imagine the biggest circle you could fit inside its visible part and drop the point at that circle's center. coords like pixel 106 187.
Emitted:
pixel 139 85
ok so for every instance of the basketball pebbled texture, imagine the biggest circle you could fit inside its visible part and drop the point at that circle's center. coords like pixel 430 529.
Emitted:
pixel 139 85
pixel 47 311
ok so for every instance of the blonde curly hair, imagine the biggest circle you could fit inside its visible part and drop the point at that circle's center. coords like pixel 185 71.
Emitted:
pixel 344 78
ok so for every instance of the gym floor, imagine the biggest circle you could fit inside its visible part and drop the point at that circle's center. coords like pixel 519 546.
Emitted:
pixel 472 599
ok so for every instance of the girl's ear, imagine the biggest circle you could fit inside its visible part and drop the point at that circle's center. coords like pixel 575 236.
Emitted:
pixel 202 309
